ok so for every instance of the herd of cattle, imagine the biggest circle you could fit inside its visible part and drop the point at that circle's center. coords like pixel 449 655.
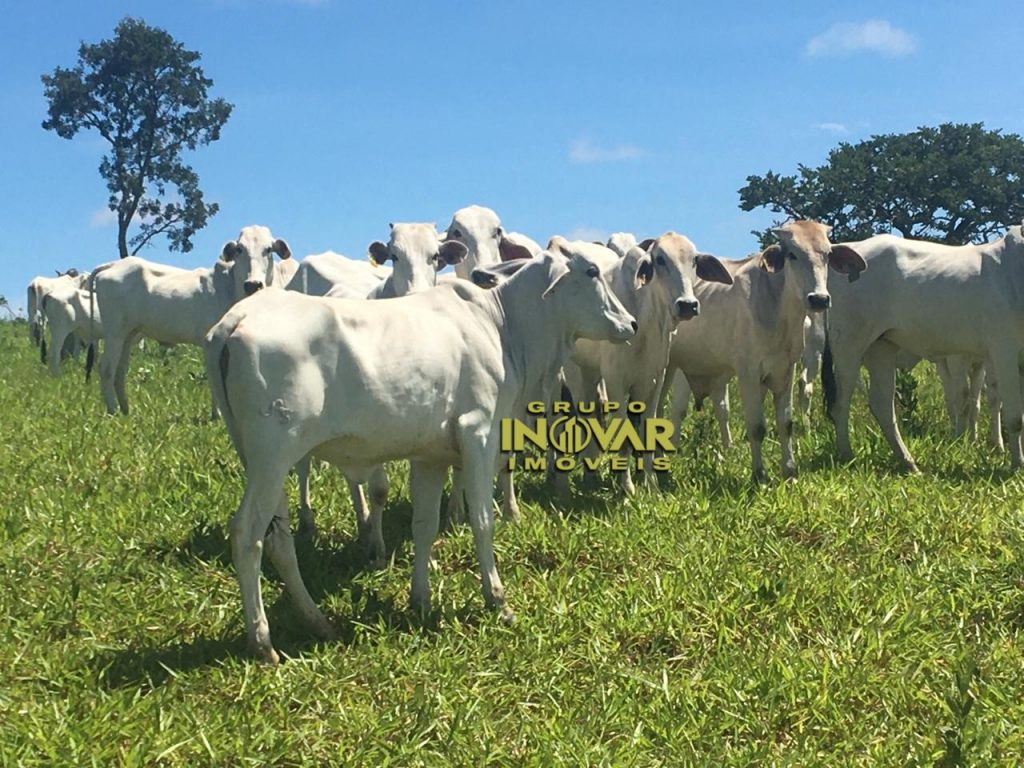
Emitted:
pixel 317 370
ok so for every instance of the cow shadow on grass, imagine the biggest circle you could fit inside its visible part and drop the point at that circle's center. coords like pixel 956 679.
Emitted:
pixel 332 564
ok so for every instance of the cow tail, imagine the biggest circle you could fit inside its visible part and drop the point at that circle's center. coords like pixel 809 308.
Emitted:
pixel 828 374
pixel 42 335
pixel 90 359
pixel 217 359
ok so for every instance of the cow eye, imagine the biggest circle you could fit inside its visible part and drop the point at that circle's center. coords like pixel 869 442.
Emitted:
pixel 660 260
pixel 456 233
pixel 791 256
pixel 593 272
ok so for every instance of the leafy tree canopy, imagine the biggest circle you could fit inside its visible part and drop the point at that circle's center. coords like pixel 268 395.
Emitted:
pixel 144 93
pixel 955 184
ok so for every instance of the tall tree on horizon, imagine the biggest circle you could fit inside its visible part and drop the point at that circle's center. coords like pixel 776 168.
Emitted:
pixel 145 95
pixel 954 184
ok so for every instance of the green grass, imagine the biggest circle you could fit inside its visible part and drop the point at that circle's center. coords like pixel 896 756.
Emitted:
pixel 853 617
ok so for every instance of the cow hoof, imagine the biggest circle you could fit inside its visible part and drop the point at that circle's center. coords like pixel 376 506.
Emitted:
pixel 376 562
pixel 511 512
pixel 419 606
pixel 789 471
pixel 322 628
pixel 265 655
pixel 759 477
pixel 910 468
pixel 507 616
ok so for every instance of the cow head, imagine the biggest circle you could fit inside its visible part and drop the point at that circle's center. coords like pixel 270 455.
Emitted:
pixel 584 299
pixel 251 257
pixel 805 253
pixel 417 255
pixel 671 266
pixel 621 242
pixel 480 230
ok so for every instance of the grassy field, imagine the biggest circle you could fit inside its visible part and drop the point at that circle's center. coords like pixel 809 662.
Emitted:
pixel 853 617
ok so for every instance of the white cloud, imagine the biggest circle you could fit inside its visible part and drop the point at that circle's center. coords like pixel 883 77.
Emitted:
pixel 835 128
pixel 584 151
pixel 587 233
pixel 875 36
pixel 103 217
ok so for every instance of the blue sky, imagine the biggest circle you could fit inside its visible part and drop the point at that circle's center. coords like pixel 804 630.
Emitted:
pixel 572 118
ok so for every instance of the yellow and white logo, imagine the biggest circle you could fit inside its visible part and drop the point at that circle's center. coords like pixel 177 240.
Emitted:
pixel 570 433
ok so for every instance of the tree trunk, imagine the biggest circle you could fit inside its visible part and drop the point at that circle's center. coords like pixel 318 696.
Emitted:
pixel 122 238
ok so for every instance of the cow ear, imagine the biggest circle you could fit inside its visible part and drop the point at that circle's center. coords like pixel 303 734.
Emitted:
pixel 484 278
pixel 451 252
pixel 508 250
pixel 378 252
pixel 559 245
pixel 646 244
pixel 711 269
pixel 772 258
pixel 846 261
pixel 644 271
pixel 559 270
pixel 230 250
pixel 280 247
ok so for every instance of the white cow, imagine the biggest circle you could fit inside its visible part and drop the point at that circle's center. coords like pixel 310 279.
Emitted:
pixel 754 329
pixel 426 377
pixel 38 288
pixel 418 255
pixel 321 273
pixel 480 230
pixel 66 310
pixel 657 287
pixel 962 381
pixel 621 242
pixel 175 306
pixel 716 390
pixel 930 300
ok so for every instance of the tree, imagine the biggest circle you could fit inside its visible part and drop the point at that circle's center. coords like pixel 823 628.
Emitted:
pixel 955 184
pixel 144 93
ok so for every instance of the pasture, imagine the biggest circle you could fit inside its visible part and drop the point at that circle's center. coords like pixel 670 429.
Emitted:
pixel 852 617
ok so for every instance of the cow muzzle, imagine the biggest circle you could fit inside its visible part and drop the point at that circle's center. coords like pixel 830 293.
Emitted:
pixel 818 301
pixel 686 309
pixel 251 286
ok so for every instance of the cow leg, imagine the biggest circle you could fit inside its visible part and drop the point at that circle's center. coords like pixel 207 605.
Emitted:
pixel 680 406
pixel 113 350
pixel 506 481
pixel 952 372
pixel 880 360
pixel 426 484
pixel 782 397
pixel 364 519
pixel 995 422
pixel 307 526
pixel 720 401
pixel 121 374
pixel 373 533
pixel 58 335
pixel 846 373
pixel 478 467
pixel 1006 373
pixel 619 396
pixel 248 527
pixel 649 395
pixel 281 549
pixel 752 395
pixel 456 502
pixel 976 375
